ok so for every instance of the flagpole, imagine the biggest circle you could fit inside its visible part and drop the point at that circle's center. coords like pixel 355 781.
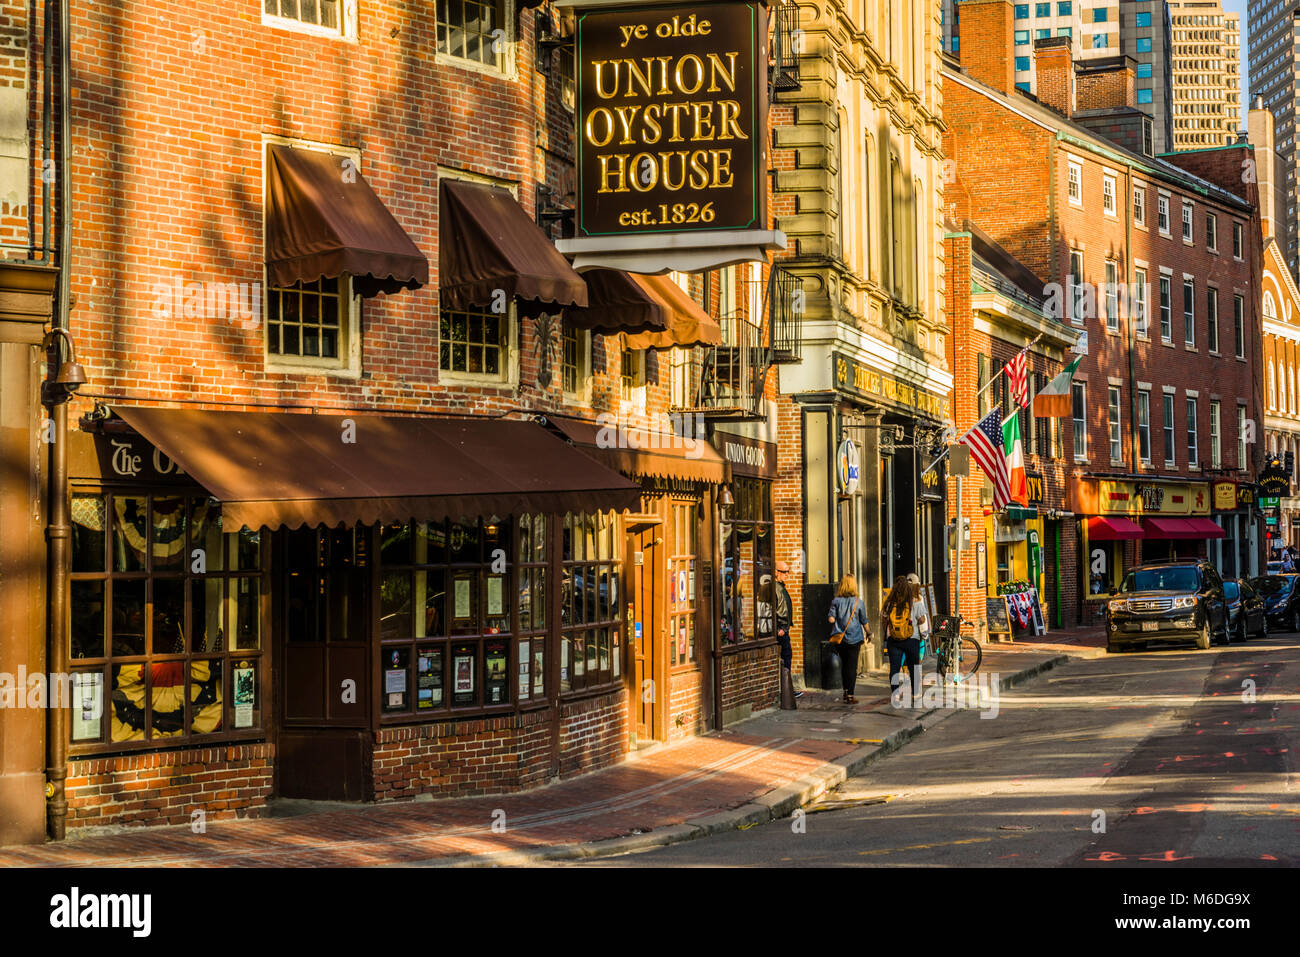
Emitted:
pixel 1001 371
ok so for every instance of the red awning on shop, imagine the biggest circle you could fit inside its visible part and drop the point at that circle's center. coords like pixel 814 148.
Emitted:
pixel 1181 528
pixel 1102 529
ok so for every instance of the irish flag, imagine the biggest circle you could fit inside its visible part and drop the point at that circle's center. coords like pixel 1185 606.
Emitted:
pixel 1053 399
pixel 1015 458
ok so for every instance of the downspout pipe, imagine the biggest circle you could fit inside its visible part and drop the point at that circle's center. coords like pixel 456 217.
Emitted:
pixel 58 531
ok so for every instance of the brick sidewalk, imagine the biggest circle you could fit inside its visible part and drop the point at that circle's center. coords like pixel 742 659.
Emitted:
pixel 692 780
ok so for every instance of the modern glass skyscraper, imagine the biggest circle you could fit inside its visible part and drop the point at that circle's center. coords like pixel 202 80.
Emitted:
pixel 1272 35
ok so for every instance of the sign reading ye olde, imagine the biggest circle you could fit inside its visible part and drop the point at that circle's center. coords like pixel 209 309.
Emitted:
pixel 671 107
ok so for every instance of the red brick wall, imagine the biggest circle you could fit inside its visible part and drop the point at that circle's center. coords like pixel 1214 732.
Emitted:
pixel 986 48
pixel 167 787
pixel 1104 89
pixel 685 715
pixel 750 677
pixel 1054 74
pixel 593 733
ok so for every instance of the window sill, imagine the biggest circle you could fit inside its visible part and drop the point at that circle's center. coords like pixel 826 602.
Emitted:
pixel 1141 337
pixel 1082 460
pixel 1240 358
pixel 1167 342
pixel 1116 463
pixel 1187 348
pixel 1189 242
pixel 1215 353
pixel 508 74
pixel 289 25
pixel 281 367
pixel 1111 332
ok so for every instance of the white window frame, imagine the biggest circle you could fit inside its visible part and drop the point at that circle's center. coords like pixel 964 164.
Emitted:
pixel 1074 183
pixel 1078 296
pixel 1211 232
pixel 1162 214
pixel 1193 436
pixel 511 365
pixel 1189 318
pixel 582 395
pixel 1167 309
pixel 1108 195
pixel 347 365
pixel 1212 343
pixel 1112 295
pixel 509 69
pixel 1140 298
pixel 1216 445
pixel 1144 425
pixel 1272 386
pixel 1242 453
pixel 1079 427
pixel 1168 427
pixel 1139 206
pixel 346 31
pixel 1189 224
pixel 1114 430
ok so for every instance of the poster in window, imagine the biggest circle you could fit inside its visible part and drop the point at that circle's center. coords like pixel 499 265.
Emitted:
pixel 462 598
pixel 539 677
pixel 245 695
pixel 690 583
pixel 564 660
pixel 618 656
pixel 681 639
pixel 462 668
pixel 525 683
pixel 579 657
pixel 428 681
pixel 495 671
pixel 934 604
pixel 494 594
pixel 88 704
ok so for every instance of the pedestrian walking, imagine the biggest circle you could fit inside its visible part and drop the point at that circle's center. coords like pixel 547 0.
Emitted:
pixel 920 612
pixel 848 618
pixel 902 641
pixel 1288 561
pixel 783 618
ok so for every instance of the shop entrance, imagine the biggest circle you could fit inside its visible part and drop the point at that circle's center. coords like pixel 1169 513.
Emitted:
pixel 645 544
pixel 324 612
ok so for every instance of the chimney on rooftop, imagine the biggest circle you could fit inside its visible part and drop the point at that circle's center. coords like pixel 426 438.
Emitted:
pixel 1053 72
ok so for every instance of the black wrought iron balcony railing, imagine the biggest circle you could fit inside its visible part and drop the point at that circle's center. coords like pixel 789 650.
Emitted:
pixel 784 59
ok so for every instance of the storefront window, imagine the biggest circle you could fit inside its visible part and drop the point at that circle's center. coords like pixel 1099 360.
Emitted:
pixel 681 586
pixel 165 611
pixel 747 563
pixel 590 640
pixel 445 614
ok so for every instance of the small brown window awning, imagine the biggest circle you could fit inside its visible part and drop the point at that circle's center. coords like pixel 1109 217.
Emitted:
pixel 688 324
pixel 616 303
pixel 324 220
pixel 278 468
pixel 644 453
pixel 486 242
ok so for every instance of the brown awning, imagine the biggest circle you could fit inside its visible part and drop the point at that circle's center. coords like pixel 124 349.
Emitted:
pixel 324 220
pixel 639 451
pixel 486 242
pixel 688 324
pixel 279 468
pixel 616 302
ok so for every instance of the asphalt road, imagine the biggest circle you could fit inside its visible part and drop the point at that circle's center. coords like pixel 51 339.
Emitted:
pixel 1174 757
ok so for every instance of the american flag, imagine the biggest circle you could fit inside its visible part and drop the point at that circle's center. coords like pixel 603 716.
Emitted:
pixel 985 443
pixel 1018 375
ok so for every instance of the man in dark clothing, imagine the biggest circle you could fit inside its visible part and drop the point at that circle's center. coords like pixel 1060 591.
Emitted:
pixel 783 613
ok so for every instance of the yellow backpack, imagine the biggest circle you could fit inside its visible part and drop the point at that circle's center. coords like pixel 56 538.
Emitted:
pixel 900 622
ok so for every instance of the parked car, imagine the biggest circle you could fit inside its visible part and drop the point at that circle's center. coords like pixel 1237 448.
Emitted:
pixel 1274 568
pixel 1246 615
pixel 1170 601
pixel 1281 600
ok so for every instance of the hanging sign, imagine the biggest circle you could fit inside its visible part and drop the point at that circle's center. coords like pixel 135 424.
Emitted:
pixel 671 109
pixel 847 467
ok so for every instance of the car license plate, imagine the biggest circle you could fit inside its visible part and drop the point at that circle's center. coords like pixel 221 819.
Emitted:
pixel 1150 625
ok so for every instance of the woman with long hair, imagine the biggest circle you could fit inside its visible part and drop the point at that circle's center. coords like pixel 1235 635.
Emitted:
pixel 901 639
pixel 848 617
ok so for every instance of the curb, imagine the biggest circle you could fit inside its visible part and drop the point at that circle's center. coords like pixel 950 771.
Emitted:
pixel 772 806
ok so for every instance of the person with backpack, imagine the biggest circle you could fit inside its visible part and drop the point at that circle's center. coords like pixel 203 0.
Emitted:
pixel 849 629
pixel 920 612
pixel 902 641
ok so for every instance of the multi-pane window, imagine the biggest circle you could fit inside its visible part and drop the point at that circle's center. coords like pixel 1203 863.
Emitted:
pixel 1108 194
pixel 1168 423
pixel 1140 300
pixel 473 342
pixel 590 650
pixel 1144 71
pixel 1144 426
pixel 1192 454
pixel 1187 222
pixel 1216 451
pixel 1078 294
pixel 1211 232
pixel 632 374
pixel 317 13
pixel 1143 20
pixel 573 360
pixel 1238 249
pixel 446 612
pixel 1063 7
pixel 1022 11
pixel 1113 422
pixel 1241 437
pixel 307 320
pixel 1078 419
pixel 1239 326
pixel 681 589
pixel 1162 214
pixel 1042 9
pixel 473 31
pixel 1166 310
pixel 1189 314
pixel 748 553
pixel 981 380
pixel 1076 183
pixel 166 621
pixel 1212 319
pixel 1139 206
pixel 1112 295
pixel 681 364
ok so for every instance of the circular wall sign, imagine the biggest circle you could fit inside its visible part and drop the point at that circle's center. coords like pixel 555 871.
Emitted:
pixel 847 467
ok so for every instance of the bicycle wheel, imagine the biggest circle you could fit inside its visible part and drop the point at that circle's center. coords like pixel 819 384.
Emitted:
pixel 969 655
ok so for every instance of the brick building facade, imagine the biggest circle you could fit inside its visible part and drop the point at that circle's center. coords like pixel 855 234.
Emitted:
pixel 1156 260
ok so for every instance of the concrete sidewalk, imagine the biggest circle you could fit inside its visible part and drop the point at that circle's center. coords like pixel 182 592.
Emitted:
pixel 755 771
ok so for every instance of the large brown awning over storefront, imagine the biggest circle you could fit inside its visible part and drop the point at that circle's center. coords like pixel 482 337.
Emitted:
pixel 616 302
pixel 277 468
pixel 688 324
pixel 324 220
pixel 640 451
pixel 487 243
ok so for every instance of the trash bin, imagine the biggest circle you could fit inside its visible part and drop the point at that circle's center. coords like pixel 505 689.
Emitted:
pixel 831 673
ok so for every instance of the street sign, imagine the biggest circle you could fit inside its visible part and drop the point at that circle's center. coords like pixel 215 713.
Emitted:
pixel 1270 501
pixel 1270 519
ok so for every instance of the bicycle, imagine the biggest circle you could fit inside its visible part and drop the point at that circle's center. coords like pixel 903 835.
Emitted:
pixel 954 652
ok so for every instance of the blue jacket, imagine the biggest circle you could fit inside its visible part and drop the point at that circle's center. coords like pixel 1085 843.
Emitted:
pixel 853 624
